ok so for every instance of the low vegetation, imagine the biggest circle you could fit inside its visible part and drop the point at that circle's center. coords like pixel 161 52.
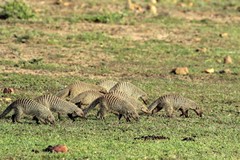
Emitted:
pixel 95 40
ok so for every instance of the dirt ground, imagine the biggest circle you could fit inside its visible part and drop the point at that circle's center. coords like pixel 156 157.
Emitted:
pixel 71 56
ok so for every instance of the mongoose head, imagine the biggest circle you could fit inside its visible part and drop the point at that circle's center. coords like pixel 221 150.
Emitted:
pixel 50 119
pixel 199 112
pixel 197 109
pixel 146 111
pixel 133 115
pixel 78 113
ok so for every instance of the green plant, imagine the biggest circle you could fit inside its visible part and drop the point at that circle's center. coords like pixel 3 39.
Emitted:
pixel 104 17
pixel 16 9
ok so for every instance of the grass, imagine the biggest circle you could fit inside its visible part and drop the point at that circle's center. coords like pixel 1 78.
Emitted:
pixel 91 44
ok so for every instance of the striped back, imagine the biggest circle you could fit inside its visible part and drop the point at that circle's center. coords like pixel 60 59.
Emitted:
pixel 118 103
pixel 57 104
pixel 107 84
pixel 54 102
pixel 140 107
pixel 29 105
pixel 86 97
pixel 82 86
pixel 129 89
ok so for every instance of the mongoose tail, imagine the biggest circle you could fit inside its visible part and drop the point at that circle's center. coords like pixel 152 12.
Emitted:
pixel 92 105
pixel 7 110
pixel 152 107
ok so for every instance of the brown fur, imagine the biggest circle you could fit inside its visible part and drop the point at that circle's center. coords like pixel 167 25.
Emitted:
pixel 174 102
pixel 114 104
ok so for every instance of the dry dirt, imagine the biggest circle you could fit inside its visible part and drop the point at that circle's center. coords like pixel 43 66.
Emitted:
pixel 86 57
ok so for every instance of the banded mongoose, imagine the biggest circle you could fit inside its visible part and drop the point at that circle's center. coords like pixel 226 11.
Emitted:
pixel 29 107
pixel 85 98
pixel 131 90
pixel 173 102
pixel 78 87
pixel 114 104
pixel 107 84
pixel 139 106
pixel 56 104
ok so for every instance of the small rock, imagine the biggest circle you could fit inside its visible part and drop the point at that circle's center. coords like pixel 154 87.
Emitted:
pixel 225 71
pixel 238 9
pixel 202 50
pixel 223 35
pixel 153 9
pixel 60 148
pixel 209 70
pixel 7 99
pixel 228 60
pixel 219 61
pixel 180 70
pixel 154 1
pixel 197 39
pixel 8 90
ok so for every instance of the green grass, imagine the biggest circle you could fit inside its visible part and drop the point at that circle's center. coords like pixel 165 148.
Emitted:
pixel 16 9
pixel 83 44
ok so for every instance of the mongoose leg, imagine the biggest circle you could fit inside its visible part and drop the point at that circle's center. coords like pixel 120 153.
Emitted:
pixel 98 114
pixel 72 94
pixel 182 112
pixel 169 110
pixel 120 116
pixel 127 119
pixel 41 120
pixel 14 118
pixel 102 111
pixel 17 115
pixel 71 117
pixel 186 113
pixel 79 105
pixel 36 119
pixel 59 116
